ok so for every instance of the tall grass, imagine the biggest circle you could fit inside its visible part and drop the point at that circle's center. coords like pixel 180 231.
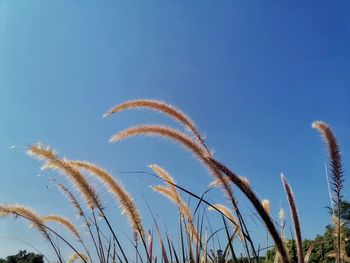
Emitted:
pixel 104 242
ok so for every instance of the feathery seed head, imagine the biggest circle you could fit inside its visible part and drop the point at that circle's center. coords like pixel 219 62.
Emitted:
pixel 218 182
pixel 158 106
pixel 53 162
pixel 281 215
pixel 75 257
pixel 117 190
pixel 64 222
pixel 175 197
pixel 226 211
pixel 245 181
pixel 41 152
pixel 26 213
pixel 336 167
pixel 71 198
pixel 295 218
pixel 266 204
pixel 166 192
pixel 163 174
pixel 162 131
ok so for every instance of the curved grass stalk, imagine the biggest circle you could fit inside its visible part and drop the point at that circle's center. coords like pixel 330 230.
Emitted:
pixel 183 208
pixel 309 251
pixel 71 198
pixel 336 171
pixel 233 220
pixel 295 217
pixel 75 204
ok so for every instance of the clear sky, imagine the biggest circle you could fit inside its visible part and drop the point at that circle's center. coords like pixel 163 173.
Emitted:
pixel 253 75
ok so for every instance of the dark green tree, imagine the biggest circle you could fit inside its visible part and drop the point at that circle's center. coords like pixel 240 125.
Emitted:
pixel 23 257
pixel 344 211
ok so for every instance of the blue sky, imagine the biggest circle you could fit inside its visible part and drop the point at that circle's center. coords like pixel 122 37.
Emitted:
pixel 253 75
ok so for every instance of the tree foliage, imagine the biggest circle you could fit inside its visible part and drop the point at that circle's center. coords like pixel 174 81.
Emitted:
pixel 23 257
pixel 324 249
pixel 344 212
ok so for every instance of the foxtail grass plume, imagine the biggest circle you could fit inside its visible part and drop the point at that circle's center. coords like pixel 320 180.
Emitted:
pixel 227 212
pixel 71 198
pixel 168 193
pixel 216 168
pixel 295 217
pixel 182 206
pixel 218 183
pixel 75 256
pixel 171 192
pixel 266 204
pixel 79 181
pixel 334 156
pixel 63 222
pixel 281 215
pixel 164 175
pixel 161 131
pixel 161 107
pixel 187 142
pixel 245 181
pixel 336 170
pixel 26 213
pixel 123 198
pixel 250 194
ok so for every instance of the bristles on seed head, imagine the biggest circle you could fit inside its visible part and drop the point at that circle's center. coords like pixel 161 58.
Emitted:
pixel 226 211
pixel 266 205
pixel 41 152
pixel 334 153
pixel 281 215
pixel 75 257
pixel 71 198
pixel 26 213
pixel 161 131
pixel 166 192
pixel 117 190
pixel 174 197
pixel 187 142
pixel 53 162
pixel 64 222
pixel 162 174
pixel 79 181
pixel 158 106
pixel 218 182
pixel 295 218
pixel 245 181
